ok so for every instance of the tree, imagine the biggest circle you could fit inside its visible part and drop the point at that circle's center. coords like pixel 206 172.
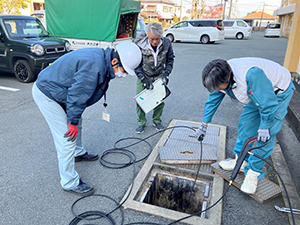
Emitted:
pixel 175 19
pixel 13 6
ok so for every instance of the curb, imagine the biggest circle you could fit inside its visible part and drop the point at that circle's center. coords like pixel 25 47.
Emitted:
pixel 293 115
pixel 282 168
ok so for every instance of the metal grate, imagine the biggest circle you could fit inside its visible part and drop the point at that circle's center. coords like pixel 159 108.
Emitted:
pixel 266 189
pixel 186 154
pixel 51 50
pixel 185 134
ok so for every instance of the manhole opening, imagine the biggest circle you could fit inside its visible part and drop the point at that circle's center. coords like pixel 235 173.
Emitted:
pixel 174 192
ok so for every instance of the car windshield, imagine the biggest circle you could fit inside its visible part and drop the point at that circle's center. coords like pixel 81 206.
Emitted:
pixel 274 26
pixel 25 28
pixel 140 25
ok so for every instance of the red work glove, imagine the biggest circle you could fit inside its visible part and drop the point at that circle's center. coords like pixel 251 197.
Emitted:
pixel 72 132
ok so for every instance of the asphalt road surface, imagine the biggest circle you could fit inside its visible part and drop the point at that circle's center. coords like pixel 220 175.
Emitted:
pixel 30 192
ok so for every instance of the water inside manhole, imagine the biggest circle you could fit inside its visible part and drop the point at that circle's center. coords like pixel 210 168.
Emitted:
pixel 174 192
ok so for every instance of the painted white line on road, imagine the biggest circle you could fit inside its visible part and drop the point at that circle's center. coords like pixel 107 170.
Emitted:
pixel 9 89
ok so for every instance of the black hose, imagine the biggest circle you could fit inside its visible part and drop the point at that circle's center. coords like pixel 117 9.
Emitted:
pixel 132 160
pixel 287 196
pixel 95 214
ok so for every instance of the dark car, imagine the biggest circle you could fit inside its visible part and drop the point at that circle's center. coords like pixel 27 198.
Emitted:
pixel 140 27
pixel 26 47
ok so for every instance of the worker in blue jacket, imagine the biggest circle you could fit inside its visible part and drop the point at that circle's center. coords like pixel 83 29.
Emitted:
pixel 265 88
pixel 64 90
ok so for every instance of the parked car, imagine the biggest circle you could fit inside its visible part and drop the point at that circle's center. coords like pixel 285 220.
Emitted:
pixel 238 29
pixel 140 27
pixel 197 30
pixel 272 30
pixel 26 47
pixel 40 14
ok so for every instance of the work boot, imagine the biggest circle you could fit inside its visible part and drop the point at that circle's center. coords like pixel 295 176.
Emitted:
pixel 250 182
pixel 140 129
pixel 230 164
pixel 158 126
pixel 82 189
pixel 86 157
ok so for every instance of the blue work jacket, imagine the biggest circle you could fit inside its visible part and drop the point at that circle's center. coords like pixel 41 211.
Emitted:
pixel 77 80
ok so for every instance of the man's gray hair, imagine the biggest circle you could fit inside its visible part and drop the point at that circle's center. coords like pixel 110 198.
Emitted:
pixel 155 28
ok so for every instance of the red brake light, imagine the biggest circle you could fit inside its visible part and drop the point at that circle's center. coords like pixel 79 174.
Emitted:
pixel 216 26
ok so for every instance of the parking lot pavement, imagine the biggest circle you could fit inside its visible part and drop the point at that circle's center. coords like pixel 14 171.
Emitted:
pixel 30 192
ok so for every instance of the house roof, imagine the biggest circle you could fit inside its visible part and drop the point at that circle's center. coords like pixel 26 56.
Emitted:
pixel 169 2
pixel 257 15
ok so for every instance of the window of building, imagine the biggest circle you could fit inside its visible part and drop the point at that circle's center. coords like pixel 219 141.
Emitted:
pixel 38 6
pixel 290 23
pixel 151 8
pixel 166 9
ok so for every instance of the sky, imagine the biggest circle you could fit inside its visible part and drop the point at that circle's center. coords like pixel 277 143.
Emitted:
pixel 243 6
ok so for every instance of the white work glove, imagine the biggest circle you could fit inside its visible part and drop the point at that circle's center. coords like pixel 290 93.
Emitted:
pixel 201 131
pixel 263 135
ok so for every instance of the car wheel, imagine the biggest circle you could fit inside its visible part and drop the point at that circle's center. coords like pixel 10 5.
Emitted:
pixel 204 39
pixel 170 37
pixel 239 36
pixel 23 72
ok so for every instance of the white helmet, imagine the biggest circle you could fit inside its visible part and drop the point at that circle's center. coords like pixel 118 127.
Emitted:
pixel 130 56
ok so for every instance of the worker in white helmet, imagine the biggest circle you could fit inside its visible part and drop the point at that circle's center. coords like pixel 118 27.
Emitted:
pixel 64 90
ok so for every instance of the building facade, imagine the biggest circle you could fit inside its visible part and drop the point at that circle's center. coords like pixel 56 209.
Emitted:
pixel 292 57
pixel 33 5
pixel 259 19
pixel 286 14
pixel 160 10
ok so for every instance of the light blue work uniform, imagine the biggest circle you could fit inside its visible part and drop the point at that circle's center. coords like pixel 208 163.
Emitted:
pixel 265 108
pixel 62 92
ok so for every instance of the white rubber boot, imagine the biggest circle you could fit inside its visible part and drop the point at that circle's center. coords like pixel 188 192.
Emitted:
pixel 250 182
pixel 230 164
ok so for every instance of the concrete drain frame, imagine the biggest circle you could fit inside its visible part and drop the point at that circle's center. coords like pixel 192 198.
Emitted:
pixel 211 185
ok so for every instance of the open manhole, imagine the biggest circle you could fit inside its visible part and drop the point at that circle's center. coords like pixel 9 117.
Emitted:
pixel 177 193
pixel 165 187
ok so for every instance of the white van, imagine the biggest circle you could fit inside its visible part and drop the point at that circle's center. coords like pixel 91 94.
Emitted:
pixel 272 30
pixel 40 14
pixel 237 29
pixel 197 30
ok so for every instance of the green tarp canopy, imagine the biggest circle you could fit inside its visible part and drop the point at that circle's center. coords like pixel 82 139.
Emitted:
pixel 87 19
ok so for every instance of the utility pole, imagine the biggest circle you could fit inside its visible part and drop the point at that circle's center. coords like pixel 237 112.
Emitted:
pixel 224 9
pixel 195 4
pixel 193 10
pixel 181 9
pixel 229 16
pixel 262 13
pixel 202 9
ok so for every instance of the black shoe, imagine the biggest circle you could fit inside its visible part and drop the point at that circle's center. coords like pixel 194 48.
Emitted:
pixel 82 189
pixel 158 126
pixel 86 157
pixel 140 129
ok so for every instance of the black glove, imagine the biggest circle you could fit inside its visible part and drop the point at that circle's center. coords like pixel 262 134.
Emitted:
pixel 147 83
pixel 165 78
